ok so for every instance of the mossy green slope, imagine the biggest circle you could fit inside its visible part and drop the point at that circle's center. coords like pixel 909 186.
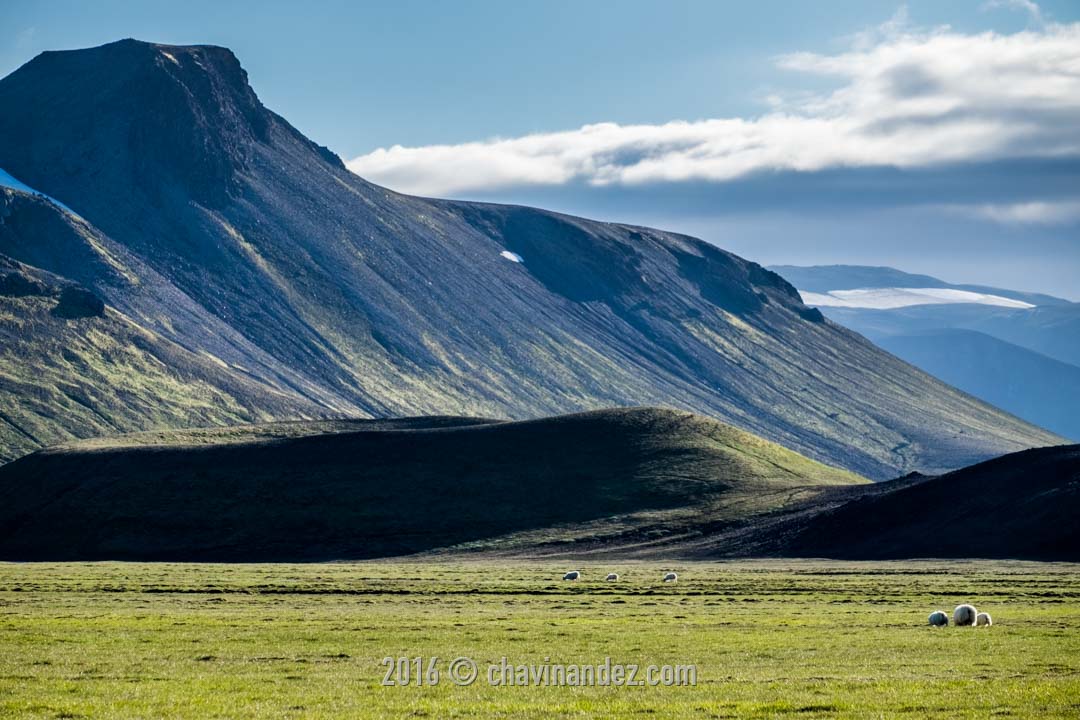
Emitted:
pixel 62 379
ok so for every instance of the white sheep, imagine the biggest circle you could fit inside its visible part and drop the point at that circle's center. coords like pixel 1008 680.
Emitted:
pixel 612 576
pixel 938 618
pixel 671 577
pixel 984 619
pixel 964 615
pixel 572 575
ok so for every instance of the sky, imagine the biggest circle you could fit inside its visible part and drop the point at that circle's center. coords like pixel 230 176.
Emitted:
pixel 937 137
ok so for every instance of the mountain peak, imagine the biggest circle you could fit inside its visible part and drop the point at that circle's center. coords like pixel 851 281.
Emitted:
pixel 116 63
pixel 138 112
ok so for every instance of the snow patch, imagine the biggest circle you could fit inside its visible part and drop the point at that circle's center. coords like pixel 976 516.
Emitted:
pixel 893 298
pixel 511 256
pixel 171 57
pixel 9 181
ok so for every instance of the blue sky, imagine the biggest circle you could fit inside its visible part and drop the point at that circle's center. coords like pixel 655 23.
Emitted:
pixel 769 128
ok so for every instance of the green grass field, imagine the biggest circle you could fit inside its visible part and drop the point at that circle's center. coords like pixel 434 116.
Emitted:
pixel 770 639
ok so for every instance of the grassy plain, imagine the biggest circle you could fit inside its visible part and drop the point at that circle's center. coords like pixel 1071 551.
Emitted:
pixel 795 639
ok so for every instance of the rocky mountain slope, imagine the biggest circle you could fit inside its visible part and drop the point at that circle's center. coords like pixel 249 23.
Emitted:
pixel 215 225
pixel 72 367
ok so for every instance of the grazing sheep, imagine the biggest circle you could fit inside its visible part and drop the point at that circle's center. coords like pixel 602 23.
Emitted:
pixel 572 575
pixel 671 577
pixel 938 618
pixel 984 619
pixel 612 576
pixel 964 615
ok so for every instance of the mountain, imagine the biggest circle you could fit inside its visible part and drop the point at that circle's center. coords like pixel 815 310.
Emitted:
pixel 640 482
pixel 1053 331
pixel 212 223
pixel 1025 383
pixel 360 489
pixel 1016 350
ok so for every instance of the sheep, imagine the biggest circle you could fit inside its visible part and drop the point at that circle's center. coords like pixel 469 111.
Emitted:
pixel 612 576
pixel 984 619
pixel 964 615
pixel 572 575
pixel 938 618
pixel 671 577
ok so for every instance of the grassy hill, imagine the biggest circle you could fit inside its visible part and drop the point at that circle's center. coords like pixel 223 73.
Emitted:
pixel 640 483
pixel 369 488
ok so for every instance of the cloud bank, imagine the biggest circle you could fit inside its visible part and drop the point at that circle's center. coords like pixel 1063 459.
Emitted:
pixel 903 98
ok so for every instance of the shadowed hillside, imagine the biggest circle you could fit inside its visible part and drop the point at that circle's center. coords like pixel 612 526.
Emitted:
pixel 1023 505
pixel 1019 506
pixel 365 489
pixel 212 222
pixel 631 483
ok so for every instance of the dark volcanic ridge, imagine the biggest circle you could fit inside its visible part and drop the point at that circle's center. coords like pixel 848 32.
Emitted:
pixel 1022 505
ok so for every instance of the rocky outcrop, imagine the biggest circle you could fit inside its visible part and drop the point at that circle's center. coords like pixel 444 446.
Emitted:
pixel 76 302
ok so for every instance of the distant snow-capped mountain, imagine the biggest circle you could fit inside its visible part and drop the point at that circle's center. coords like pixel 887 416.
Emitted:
pixel 1017 350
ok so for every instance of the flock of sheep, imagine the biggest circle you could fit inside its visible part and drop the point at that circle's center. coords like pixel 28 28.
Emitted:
pixel 612 577
pixel 963 616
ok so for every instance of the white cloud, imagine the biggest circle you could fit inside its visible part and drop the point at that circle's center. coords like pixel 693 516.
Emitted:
pixel 1025 213
pixel 904 98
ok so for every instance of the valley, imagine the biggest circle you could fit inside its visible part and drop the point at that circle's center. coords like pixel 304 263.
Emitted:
pixel 767 638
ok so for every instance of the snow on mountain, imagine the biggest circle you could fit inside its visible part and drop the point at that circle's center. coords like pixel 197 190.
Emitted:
pixel 892 298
